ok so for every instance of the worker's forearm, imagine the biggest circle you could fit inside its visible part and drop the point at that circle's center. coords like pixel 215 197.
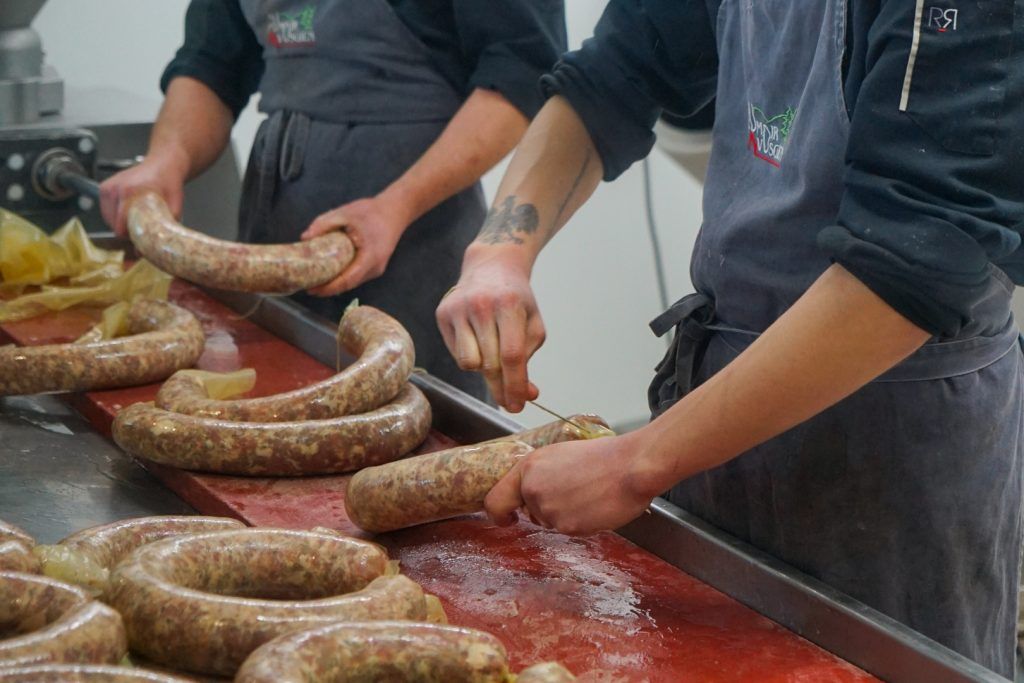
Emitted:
pixel 482 132
pixel 836 338
pixel 192 129
pixel 553 172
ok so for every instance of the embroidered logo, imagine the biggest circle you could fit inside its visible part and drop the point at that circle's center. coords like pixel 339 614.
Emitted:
pixel 942 19
pixel 768 135
pixel 292 29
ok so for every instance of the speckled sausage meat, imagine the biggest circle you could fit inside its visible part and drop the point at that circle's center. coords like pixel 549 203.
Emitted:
pixel 558 431
pixel 340 444
pixel 429 487
pixel 16 557
pixel 549 672
pixel 84 673
pixel 42 620
pixel 9 532
pixel 272 268
pixel 204 602
pixel 86 558
pixel 162 338
pixel 384 359
pixel 381 651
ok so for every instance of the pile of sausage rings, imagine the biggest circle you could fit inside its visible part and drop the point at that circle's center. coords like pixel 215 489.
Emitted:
pixel 208 596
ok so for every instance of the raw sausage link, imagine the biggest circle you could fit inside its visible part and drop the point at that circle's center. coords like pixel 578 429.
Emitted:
pixel 390 650
pixel 429 487
pixel 86 558
pixel 384 359
pixel 593 426
pixel 272 268
pixel 16 557
pixel 163 338
pixel 42 620
pixel 202 603
pixel 9 532
pixel 340 444
pixel 83 673
pixel 549 672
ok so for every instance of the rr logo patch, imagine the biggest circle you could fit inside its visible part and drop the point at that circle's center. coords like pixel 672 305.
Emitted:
pixel 942 19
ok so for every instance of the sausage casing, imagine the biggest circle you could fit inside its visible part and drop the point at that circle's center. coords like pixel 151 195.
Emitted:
pixel 16 557
pixel 163 338
pixel 340 444
pixel 203 602
pixel 86 557
pixel 271 268
pixel 429 487
pixel 379 651
pixel 9 532
pixel 84 673
pixel 548 672
pixel 589 427
pixel 384 359
pixel 42 620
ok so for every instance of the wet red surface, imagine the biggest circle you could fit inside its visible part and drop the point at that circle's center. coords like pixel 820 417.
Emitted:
pixel 607 609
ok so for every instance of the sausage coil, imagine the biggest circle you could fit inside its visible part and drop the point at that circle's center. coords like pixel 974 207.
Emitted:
pixel 559 431
pixel 16 557
pixel 86 558
pixel 42 620
pixel 271 268
pixel 331 446
pixel 83 673
pixel 429 487
pixel 9 532
pixel 384 359
pixel 381 651
pixel 202 603
pixel 163 338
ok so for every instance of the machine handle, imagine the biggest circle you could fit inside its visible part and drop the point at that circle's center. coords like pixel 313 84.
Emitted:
pixel 78 182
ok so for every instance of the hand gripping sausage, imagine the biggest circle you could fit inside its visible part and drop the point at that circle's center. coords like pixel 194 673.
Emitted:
pixel 16 557
pixel 380 651
pixel 202 603
pixel 384 359
pixel 549 672
pixel 42 620
pixel 84 673
pixel 163 338
pixel 271 268
pixel 589 427
pixel 429 487
pixel 86 558
pixel 340 444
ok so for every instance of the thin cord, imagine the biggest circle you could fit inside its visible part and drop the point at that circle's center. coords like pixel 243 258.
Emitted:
pixel 652 228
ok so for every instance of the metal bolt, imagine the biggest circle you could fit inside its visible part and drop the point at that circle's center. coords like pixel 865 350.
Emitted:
pixel 15 192
pixel 16 162
pixel 85 203
pixel 85 145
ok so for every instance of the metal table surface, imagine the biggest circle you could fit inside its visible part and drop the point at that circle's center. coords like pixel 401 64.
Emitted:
pixel 58 474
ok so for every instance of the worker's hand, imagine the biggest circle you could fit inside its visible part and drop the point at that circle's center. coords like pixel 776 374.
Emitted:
pixel 576 487
pixel 163 175
pixel 374 225
pixel 491 324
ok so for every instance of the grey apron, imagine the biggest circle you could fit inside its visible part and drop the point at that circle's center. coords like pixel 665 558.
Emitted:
pixel 907 494
pixel 353 101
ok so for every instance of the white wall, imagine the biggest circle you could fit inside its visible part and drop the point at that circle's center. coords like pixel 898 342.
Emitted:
pixel 595 282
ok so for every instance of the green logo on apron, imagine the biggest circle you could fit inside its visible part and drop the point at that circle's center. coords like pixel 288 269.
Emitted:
pixel 768 135
pixel 292 29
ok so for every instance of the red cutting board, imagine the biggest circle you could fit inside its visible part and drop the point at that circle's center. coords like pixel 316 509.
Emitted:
pixel 608 610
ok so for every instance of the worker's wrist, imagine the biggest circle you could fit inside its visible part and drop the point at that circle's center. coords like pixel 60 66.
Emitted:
pixel 652 468
pixel 515 257
pixel 403 203
pixel 172 161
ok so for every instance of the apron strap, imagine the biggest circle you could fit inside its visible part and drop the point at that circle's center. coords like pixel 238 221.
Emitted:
pixel 681 310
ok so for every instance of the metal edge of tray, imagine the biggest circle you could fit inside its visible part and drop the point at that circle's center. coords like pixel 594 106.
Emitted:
pixel 813 610
pixel 837 623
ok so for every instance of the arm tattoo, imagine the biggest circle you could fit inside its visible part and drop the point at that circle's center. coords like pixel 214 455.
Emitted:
pixel 575 186
pixel 506 222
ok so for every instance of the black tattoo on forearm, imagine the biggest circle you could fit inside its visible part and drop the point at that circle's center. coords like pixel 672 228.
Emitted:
pixel 507 222
pixel 575 186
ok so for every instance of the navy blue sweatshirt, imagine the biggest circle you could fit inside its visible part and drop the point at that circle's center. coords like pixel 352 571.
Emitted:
pixel 932 195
